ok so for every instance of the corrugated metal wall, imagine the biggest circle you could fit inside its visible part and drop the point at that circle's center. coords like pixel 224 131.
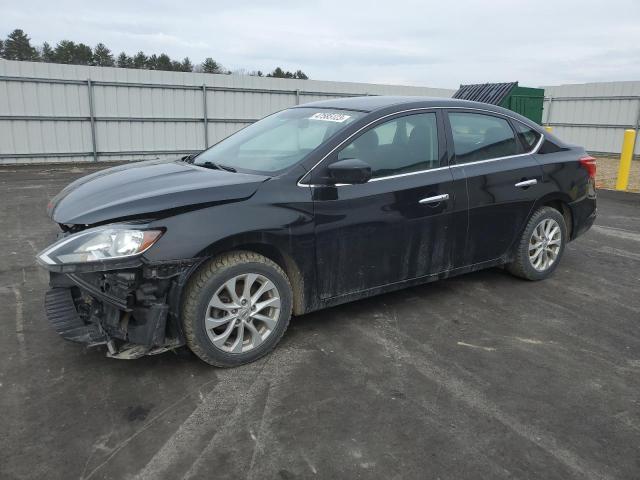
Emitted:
pixel 54 113
pixel 46 110
pixel 594 115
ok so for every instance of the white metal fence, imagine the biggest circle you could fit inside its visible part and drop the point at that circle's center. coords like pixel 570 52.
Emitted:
pixel 594 115
pixel 58 113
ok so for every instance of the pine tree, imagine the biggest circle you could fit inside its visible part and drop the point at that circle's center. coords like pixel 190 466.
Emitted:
pixel 46 53
pixel 164 62
pixel 83 55
pixel 64 51
pixel 277 73
pixel 211 66
pixel 102 56
pixel 73 53
pixel 186 65
pixel 152 62
pixel 17 46
pixel 124 61
pixel 1 48
pixel 140 60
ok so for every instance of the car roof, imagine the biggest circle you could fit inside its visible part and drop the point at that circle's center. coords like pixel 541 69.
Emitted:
pixel 373 103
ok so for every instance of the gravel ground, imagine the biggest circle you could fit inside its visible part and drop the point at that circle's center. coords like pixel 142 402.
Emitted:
pixel 607 173
pixel 482 376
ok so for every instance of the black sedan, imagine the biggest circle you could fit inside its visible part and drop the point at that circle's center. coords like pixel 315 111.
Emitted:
pixel 310 207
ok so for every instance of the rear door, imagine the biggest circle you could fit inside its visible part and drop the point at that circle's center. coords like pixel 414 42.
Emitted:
pixel 402 224
pixel 502 180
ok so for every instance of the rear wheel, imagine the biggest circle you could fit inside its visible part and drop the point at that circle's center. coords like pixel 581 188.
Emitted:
pixel 236 309
pixel 541 245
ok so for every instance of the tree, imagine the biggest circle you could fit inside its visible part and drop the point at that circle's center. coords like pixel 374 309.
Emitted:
pixel 69 52
pixel 124 61
pixel 211 66
pixel 140 60
pixel 64 51
pixel 152 62
pixel 164 62
pixel 279 73
pixel 186 65
pixel 46 53
pixel 17 46
pixel 102 56
pixel 83 55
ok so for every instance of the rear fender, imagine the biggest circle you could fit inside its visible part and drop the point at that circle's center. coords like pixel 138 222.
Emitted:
pixel 551 198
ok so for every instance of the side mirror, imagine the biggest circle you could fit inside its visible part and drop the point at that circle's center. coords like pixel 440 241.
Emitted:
pixel 350 170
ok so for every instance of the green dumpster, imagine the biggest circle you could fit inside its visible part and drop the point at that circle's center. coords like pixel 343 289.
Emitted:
pixel 526 101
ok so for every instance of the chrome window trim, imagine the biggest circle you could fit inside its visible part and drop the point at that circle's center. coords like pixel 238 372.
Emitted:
pixel 375 179
pixel 531 152
pixel 407 174
pixel 419 109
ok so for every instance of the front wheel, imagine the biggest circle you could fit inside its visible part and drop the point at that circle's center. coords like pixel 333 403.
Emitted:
pixel 541 245
pixel 236 309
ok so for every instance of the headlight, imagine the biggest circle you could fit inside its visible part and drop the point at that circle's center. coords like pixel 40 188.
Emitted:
pixel 99 244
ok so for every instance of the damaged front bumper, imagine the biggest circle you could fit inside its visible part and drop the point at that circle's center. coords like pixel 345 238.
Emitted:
pixel 133 311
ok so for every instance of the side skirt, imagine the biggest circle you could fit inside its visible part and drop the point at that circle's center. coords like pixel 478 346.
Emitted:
pixel 350 297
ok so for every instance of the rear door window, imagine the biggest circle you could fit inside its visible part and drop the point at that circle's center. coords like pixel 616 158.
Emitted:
pixel 477 137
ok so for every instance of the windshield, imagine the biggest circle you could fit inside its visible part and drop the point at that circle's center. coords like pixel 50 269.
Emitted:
pixel 279 140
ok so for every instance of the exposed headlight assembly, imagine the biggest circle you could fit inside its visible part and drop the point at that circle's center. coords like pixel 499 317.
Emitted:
pixel 99 244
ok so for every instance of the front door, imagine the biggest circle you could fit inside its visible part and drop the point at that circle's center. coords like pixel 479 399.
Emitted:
pixel 402 224
pixel 501 180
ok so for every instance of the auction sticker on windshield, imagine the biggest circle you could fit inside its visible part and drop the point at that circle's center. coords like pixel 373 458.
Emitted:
pixel 330 117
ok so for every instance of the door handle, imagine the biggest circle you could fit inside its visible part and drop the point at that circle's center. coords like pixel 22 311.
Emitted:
pixel 436 199
pixel 526 183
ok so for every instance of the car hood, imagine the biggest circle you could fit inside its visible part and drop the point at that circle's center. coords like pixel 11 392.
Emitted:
pixel 141 188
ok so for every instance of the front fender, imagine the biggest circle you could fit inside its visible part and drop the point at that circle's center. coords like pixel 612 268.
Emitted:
pixel 277 222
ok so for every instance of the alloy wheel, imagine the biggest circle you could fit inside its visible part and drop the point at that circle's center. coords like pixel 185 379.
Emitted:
pixel 242 313
pixel 544 244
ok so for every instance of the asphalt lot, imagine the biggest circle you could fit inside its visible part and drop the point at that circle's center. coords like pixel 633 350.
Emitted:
pixel 480 376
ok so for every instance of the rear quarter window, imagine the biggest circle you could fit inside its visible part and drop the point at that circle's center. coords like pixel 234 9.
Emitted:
pixel 549 147
pixel 527 135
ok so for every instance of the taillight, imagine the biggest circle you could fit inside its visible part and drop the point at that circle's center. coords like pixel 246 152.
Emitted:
pixel 589 164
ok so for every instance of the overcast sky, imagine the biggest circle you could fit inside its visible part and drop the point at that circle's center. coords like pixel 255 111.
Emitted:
pixel 428 43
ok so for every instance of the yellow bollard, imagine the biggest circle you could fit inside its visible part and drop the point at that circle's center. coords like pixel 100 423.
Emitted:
pixel 548 129
pixel 625 159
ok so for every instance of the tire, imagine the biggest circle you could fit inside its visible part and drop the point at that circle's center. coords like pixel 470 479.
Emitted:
pixel 533 267
pixel 252 330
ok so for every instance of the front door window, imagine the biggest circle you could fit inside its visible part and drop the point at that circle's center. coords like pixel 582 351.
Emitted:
pixel 402 145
